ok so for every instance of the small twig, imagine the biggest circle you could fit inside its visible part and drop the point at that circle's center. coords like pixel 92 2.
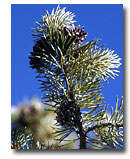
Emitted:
pixel 91 128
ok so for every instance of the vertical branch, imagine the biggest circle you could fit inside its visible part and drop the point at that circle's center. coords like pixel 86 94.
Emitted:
pixel 81 132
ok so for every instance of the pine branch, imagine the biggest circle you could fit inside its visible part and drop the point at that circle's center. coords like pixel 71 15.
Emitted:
pixel 108 130
pixel 102 125
pixel 72 73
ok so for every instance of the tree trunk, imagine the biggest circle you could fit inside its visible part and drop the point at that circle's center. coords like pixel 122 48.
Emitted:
pixel 82 136
pixel 82 140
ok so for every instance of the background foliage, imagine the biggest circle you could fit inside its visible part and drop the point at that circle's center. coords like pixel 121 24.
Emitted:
pixel 32 127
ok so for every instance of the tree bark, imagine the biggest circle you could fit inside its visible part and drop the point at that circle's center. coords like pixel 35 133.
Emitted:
pixel 82 140
pixel 82 136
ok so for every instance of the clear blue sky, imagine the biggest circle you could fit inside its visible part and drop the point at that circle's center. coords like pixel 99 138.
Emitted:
pixel 100 21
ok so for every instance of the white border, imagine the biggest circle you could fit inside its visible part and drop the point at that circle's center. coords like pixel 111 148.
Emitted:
pixel 67 1
pixel 5 86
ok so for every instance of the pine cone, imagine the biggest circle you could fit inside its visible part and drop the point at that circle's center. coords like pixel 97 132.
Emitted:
pixel 41 46
pixel 76 32
pixel 68 114
pixel 75 36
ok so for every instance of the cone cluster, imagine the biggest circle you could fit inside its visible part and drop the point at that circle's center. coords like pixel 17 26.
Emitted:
pixel 68 114
pixel 75 35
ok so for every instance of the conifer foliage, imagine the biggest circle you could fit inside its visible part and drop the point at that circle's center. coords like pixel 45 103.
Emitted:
pixel 70 71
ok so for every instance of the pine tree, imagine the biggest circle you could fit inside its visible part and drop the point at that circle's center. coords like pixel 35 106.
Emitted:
pixel 71 71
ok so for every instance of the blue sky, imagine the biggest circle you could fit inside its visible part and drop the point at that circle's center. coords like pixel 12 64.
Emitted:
pixel 100 21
